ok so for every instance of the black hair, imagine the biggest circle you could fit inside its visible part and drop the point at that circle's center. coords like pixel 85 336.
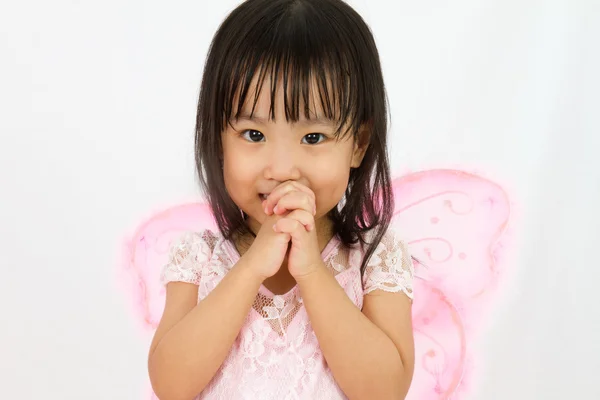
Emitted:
pixel 301 42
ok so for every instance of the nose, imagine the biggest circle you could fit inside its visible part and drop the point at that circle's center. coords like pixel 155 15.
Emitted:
pixel 282 164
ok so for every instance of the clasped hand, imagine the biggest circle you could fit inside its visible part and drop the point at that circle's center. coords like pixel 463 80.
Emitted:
pixel 289 226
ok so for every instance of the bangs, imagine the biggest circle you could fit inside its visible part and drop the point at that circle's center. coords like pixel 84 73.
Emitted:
pixel 297 48
pixel 315 59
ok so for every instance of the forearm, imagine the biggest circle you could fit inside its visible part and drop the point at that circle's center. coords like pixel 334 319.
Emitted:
pixel 363 359
pixel 190 353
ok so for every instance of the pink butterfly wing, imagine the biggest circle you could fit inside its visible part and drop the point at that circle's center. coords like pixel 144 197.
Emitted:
pixel 147 251
pixel 452 221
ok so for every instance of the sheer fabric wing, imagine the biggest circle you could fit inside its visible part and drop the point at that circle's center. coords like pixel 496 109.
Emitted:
pixel 147 251
pixel 453 222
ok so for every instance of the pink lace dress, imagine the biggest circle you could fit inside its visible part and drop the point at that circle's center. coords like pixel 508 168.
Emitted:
pixel 276 354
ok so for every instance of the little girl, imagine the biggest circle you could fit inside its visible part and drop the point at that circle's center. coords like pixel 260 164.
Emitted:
pixel 303 292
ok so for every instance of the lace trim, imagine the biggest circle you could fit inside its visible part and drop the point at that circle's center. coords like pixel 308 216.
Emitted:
pixel 390 268
pixel 187 256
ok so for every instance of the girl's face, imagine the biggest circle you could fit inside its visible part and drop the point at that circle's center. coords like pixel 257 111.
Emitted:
pixel 259 154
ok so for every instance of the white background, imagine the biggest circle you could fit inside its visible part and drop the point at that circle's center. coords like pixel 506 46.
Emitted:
pixel 97 111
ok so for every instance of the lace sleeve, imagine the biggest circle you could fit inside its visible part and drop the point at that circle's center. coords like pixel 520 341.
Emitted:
pixel 187 256
pixel 390 267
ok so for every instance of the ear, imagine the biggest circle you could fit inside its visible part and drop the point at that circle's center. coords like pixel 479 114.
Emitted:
pixel 361 143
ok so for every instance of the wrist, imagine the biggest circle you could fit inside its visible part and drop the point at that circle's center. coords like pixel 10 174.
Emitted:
pixel 311 273
pixel 249 273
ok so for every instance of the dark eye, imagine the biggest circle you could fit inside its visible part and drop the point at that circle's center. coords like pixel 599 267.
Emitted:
pixel 313 138
pixel 252 135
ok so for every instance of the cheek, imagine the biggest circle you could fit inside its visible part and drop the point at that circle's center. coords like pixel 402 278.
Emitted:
pixel 235 165
pixel 231 173
pixel 240 175
pixel 330 186
pixel 329 176
pixel 236 176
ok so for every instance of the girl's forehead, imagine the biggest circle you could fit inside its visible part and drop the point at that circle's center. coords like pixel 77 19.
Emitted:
pixel 275 96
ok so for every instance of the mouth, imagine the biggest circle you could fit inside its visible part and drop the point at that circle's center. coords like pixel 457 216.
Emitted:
pixel 263 196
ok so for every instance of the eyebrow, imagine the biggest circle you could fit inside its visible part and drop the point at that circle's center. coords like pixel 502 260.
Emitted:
pixel 303 122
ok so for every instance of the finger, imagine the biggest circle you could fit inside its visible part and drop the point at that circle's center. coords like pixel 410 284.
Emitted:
pixel 294 228
pixel 295 201
pixel 301 216
pixel 282 190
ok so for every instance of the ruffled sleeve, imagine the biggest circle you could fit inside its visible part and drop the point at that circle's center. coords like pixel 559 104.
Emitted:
pixel 187 256
pixel 390 267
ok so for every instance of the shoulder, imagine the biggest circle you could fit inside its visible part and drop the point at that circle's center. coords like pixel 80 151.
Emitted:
pixel 390 267
pixel 207 235
pixel 188 253
pixel 394 241
pixel 193 244
pixel 392 244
